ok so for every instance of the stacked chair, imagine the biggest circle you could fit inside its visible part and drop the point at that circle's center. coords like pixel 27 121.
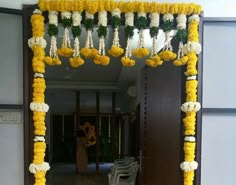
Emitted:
pixel 123 172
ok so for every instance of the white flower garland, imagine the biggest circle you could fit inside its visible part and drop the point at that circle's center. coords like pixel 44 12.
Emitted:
pixel 40 75
pixel 39 107
pixel 155 22
pixel 89 39
pixel 194 17
pixel 129 21
pixel 66 37
pixel 189 166
pixel 34 168
pixel 190 139
pixel 191 107
pixel 39 139
pixel 167 44
pixel 192 47
pixel 102 20
pixel 115 42
pixel 76 17
pixel 192 77
pixel 181 24
pixel 141 32
pixel 53 18
pixel 37 41
pixel 37 11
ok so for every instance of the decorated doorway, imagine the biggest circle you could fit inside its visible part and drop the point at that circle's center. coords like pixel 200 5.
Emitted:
pixel 180 21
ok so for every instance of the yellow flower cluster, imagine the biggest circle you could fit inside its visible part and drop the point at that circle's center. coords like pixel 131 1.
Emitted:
pixel 93 6
pixel 40 178
pixel 141 52
pixel 182 61
pixel 154 61
pixel 167 55
pixel 89 52
pixel 101 60
pixel 65 52
pixel 189 148
pixel 189 123
pixel 116 51
pixel 52 61
pixel 37 22
pixel 128 62
pixel 188 178
pixel 38 59
pixel 193 31
pixel 39 152
pixel 191 90
pixel 38 90
pixel 39 123
pixel 76 62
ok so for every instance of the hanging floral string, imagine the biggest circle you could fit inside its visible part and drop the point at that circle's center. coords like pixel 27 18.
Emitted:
pixel 191 106
pixel 101 58
pixel 66 49
pixel 76 61
pixel 141 24
pixel 167 54
pixel 129 32
pixel 116 49
pixel 182 38
pixel 37 43
pixel 155 60
pixel 53 58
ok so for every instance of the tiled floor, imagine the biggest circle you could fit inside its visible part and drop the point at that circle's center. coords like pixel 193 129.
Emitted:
pixel 64 174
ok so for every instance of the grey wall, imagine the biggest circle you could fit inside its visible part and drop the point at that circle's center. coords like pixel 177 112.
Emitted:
pixel 219 89
pixel 11 83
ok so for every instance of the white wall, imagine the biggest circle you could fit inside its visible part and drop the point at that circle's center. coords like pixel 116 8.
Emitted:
pixel 11 92
pixel 216 8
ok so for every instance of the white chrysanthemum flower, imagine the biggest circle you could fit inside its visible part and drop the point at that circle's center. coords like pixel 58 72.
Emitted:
pixel 189 166
pixel 102 18
pixel 116 12
pixel 142 14
pixel 39 138
pixel 191 106
pixel 66 15
pixel 34 168
pixel 168 17
pixel 39 107
pixel 53 17
pixel 38 75
pixel 89 15
pixel 194 17
pixel 181 21
pixel 37 11
pixel 129 19
pixel 192 77
pixel 192 47
pixel 76 16
pixel 190 139
pixel 37 41
pixel 155 19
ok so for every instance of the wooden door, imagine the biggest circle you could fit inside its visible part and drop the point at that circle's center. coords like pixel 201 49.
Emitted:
pixel 161 127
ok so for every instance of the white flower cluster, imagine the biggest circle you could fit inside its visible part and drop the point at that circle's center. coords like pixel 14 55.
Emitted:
pixel 102 18
pixel 189 166
pixel 39 138
pixel 39 107
pixel 38 75
pixel 194 17
pixel 189 139
pixel 192 77
pixel 66 15
pixel 191 106
pixel 89 15
pixel 192 47
pixel 155 19
pixel 116 12
pixel 76 16
pixel 142 14
pixel 52 17
pixel 34 168
pixel 181 21
pixel 129 19
pixel 168 17
pixel 37 11
pixel 37 41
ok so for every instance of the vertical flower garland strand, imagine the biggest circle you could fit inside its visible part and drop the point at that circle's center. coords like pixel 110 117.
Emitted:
pixel 66 50
pixel 116 49
pixel 91 7
pixel 76 61
pixel 167 54
pixel 53 58
pixel 101 58
pixel 155 60
pixel 37 43
pixel 141 24
pixel 191 106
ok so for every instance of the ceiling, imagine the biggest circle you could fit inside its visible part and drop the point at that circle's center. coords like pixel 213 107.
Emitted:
pixel 91 76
